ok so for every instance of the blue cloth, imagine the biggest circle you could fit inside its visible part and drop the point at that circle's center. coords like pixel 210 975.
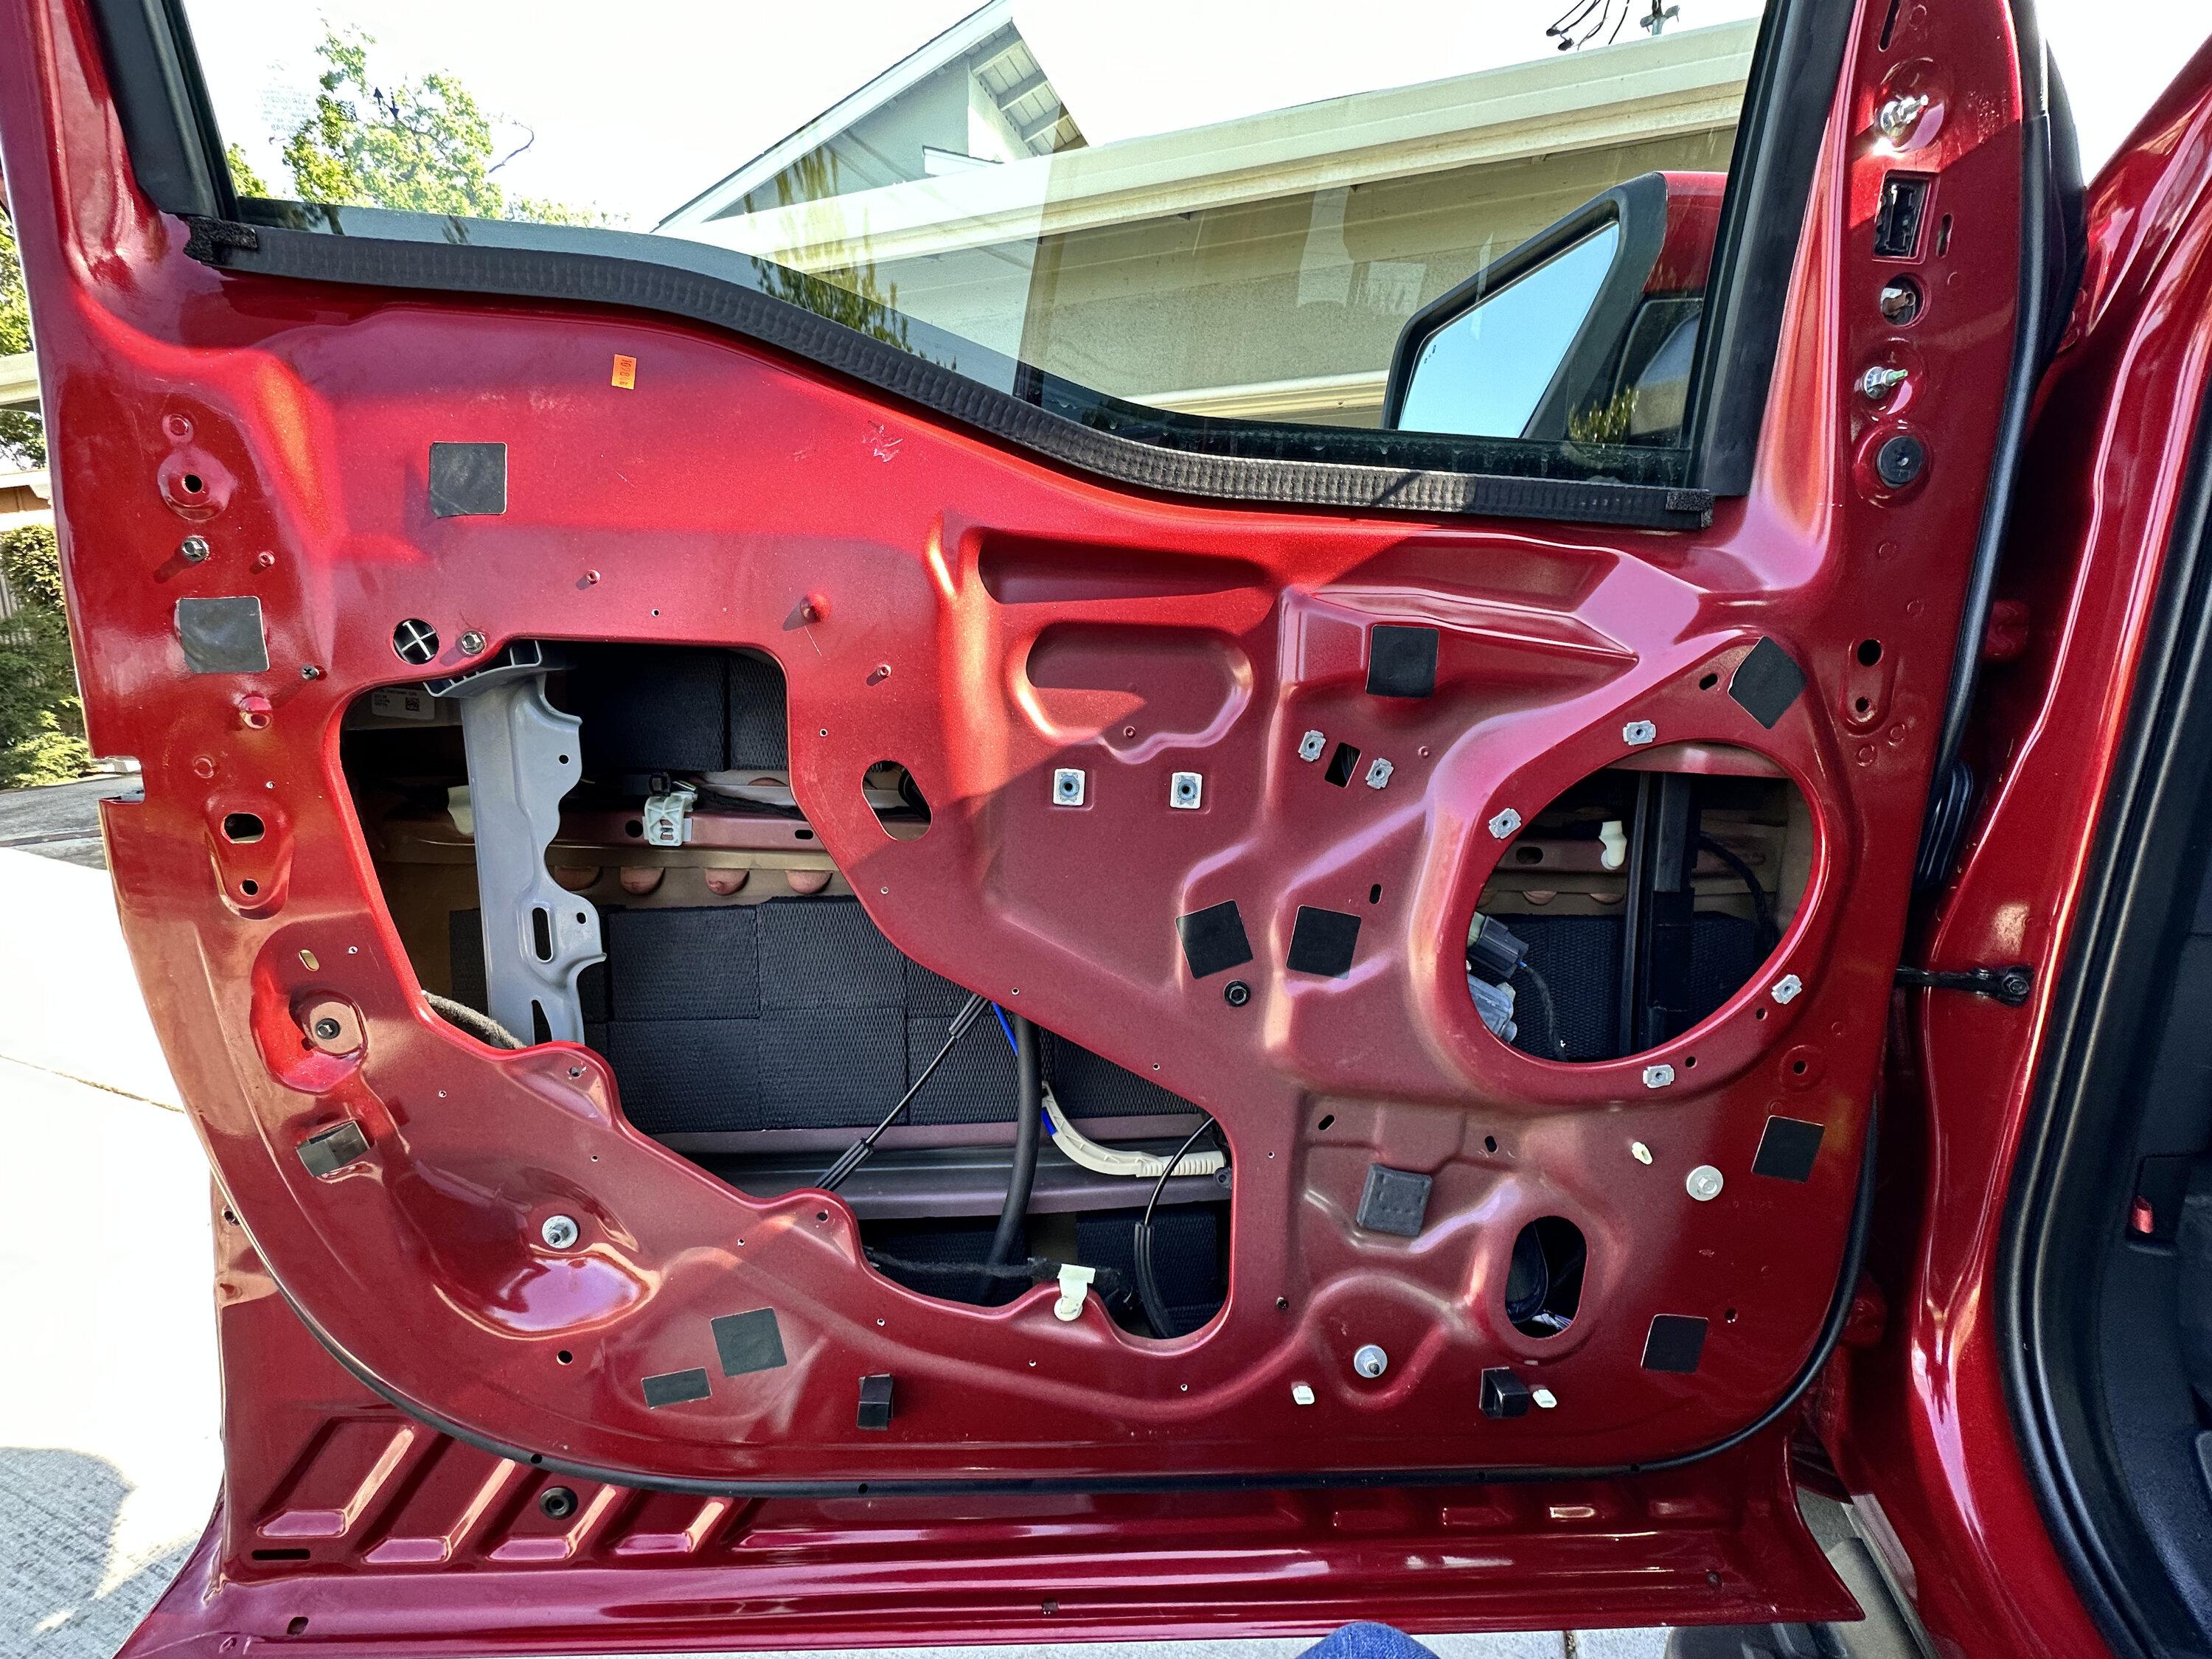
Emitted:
pixel 1366 1641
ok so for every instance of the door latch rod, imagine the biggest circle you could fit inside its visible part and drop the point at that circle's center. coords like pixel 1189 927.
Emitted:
pixel 2009 986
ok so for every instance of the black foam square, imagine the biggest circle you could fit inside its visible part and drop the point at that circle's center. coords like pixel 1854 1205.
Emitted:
pixel 748 1341
pixel 1787 1149
pixel 1766 682
pixel 1675 1343
pixel 675 1387
pixel 1213 939
pixel 468 480
pixel 1402 661
pixel 1322 942
pixel 1395 1201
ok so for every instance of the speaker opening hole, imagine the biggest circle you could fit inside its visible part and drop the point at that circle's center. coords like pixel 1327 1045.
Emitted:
pixel 1544 1281
pixel 1639 902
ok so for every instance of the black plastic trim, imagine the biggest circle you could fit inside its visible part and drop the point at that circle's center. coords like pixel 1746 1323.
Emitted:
pixel 2058 1214
pixel 1794 74
pixel 167 126
pixel 1824 1345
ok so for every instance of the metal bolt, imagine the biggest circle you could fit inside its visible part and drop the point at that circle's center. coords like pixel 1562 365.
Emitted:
pixel 1878 382
pixel 560 1231
pixel 193 549
pixel 1897 118
pixel 309 672
pixel 1636 734
pixel 1505 823
pixel 1900 301
pixel 1311 745
pixel 1659 1076
pixel 1704 1183
pixel 1378 773
pixel 557 1502
pixel 1786 988
pixel 1185 790
pixel 1237 994
pixel 328 1029
pixel 1067 786
pixel 1370 1362
pixel 471 642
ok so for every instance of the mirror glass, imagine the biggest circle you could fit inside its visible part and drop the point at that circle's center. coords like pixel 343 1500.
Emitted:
pixel 1485 372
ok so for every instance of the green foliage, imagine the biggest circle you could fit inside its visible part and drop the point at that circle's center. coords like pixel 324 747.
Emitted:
pixel 420 146
pixel 852 295
pixel 21 436
pixel 41 717
pixel 30 565
pixel 243 179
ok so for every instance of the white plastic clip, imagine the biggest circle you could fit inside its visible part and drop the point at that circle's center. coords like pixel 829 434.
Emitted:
pixel 668 818
pixel 1074 1282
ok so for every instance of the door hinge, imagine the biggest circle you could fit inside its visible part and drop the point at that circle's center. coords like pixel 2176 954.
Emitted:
pixel 2009 986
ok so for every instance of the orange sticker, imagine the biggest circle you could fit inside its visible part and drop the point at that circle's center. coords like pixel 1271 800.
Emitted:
pixel 626 373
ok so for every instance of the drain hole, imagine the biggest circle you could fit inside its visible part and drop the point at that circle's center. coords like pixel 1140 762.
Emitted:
pixel 1869 651
pixel 249 887
pixel 281 1555
pixel 1326 1121
pixel 1709 681
pixel 299 1626
pixel 243 827
pixel 192 483
pixel 1544 1284
pixel 1375 894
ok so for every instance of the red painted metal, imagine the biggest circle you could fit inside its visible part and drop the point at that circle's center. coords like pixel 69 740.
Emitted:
pixel 1693 220
pixel 1930 1433
pixel 735 498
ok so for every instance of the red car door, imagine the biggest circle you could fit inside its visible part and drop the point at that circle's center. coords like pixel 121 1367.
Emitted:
pixel 403 552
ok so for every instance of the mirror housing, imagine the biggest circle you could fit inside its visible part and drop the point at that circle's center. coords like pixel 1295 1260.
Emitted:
pixel 1626 335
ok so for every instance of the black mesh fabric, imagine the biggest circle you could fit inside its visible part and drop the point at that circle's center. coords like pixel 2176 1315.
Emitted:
pixel 824 1067
pixel 826 953
pixel 651 709
pixel 796 1013
pixel 686 1075
pixel 759 727
pixel 700 963
pixel 1579 958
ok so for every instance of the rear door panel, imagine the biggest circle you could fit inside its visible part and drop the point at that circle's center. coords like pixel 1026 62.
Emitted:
pixel 984 618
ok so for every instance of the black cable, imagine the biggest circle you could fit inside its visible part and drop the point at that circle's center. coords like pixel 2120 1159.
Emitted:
pixel 856 1154
pixel 481 1026
pixel 1035 1270
pixel 1554 1047
pixel 1148 1287
pixel 1769 933
pixel 1029 1117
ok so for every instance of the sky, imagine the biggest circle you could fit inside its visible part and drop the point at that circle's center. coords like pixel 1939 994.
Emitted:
pixel 635 119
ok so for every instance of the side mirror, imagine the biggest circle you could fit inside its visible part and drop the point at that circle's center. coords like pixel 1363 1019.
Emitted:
pixel 1586 331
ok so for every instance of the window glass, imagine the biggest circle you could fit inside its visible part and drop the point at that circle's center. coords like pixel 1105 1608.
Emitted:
pixel 1223 214
pixel 1485 372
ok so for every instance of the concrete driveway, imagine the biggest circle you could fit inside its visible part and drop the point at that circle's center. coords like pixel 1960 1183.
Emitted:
pixel 109 1458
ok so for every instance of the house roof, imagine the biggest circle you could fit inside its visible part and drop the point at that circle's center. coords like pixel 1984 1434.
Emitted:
pixel 1002 62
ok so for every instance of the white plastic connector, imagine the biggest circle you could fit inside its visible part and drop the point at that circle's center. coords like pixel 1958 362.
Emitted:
pixel 1074 1284
pixel 1545 1399
pixel 1613 843
pixel 1302 1393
